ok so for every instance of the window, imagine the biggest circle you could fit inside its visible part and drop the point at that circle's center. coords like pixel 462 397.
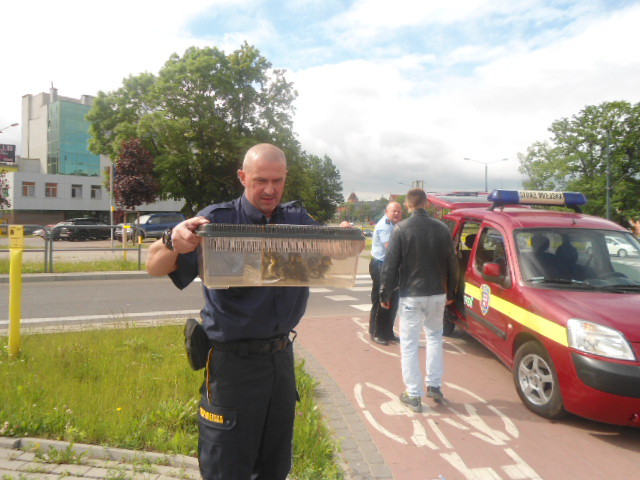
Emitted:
pixel 76 191
pixel 28 189
pixel 490 249
pixel 51 190
pixel 96 192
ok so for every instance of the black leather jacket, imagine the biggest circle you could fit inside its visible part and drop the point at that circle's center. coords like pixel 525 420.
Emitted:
pixel 420 259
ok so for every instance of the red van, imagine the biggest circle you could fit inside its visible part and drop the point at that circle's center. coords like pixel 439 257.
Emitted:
pixel 543 291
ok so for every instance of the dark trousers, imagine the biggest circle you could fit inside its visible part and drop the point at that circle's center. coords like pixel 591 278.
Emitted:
pixel 380 320
pixel 246 416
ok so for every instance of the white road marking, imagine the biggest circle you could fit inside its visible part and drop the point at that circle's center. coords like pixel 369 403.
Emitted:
pixel 363 337
pixel 113 316
pixel 482 473
pixel 469 421
pixel 340 298
pixel 358 394
pixel 365 307
pixel 419 437
pixel 360 289
pixel 320 290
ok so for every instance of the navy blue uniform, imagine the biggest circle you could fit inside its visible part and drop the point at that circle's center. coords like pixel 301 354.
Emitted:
pixel 248 397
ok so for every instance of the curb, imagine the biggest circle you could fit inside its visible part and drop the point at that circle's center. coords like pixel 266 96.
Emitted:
pixel 18 455
pixel 62 277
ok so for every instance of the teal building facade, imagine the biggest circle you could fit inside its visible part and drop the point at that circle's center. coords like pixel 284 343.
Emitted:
pixel 68 140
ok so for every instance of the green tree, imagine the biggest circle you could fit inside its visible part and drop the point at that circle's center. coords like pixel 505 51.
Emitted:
pixel 316 182
pixel 601 141
pixel 198 117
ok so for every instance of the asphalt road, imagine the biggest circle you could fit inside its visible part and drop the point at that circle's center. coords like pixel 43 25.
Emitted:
pixel 481 432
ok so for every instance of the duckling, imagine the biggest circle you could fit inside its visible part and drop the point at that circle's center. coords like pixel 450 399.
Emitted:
pixel 322 267
pixel 295 269
pixel 272 266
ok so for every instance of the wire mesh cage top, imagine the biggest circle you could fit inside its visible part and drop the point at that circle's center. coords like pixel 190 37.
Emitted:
pixel 282 238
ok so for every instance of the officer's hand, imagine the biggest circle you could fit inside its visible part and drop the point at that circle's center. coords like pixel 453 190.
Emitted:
pixel 385 305
pixel 184 235
pixel 344 223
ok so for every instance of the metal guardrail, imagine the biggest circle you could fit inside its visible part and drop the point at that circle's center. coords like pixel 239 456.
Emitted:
pixel 49 234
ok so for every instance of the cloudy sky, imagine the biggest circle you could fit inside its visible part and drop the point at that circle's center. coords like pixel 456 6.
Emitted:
pixel 393 92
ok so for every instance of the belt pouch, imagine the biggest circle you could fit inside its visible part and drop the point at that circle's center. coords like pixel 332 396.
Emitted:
pixel 196 343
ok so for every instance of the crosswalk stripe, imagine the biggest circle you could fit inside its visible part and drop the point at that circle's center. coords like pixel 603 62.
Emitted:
pixel 340 298
pixel 365 307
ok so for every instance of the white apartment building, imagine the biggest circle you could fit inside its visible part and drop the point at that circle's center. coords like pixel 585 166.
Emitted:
pixel 56 177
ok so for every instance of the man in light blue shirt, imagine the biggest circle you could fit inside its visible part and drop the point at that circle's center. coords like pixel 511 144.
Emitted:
pixel 381 319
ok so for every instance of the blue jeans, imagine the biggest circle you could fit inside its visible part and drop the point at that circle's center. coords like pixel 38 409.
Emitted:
pixel 417 313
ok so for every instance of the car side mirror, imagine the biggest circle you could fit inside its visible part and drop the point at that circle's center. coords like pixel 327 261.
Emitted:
pixel 493 272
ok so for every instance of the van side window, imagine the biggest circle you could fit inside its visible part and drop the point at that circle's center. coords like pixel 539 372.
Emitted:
pixel 491 249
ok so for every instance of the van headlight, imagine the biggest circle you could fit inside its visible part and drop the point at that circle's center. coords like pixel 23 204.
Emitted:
pixel 590 337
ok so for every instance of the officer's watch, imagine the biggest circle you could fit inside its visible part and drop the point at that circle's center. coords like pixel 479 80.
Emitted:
pixel 167 241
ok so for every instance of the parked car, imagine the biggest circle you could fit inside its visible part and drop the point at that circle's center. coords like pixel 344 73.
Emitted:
pixel 44 231
pixel 541 291
pixel 81 229
pixel 618 246
pixel 151 225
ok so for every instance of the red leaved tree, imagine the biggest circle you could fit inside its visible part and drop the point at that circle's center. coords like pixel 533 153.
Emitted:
pixel 134 182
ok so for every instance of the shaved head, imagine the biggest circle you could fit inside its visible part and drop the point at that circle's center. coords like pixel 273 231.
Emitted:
pixel 263 151
pixel 263 175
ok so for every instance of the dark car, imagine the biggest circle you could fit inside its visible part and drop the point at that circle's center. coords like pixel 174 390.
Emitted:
pixel 151 225
pixel 81 229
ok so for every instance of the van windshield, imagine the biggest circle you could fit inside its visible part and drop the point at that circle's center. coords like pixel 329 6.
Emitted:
pixel 143 219
pixel 579 258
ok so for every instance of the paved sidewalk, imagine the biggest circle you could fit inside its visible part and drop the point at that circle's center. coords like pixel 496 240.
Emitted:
pixel 33 459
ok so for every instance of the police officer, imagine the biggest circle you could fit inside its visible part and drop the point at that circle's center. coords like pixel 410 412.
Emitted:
pixel 381 319
pixel 248 397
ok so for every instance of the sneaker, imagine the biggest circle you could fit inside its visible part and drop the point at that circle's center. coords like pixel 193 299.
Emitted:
pixel 435 393
pixel 413 403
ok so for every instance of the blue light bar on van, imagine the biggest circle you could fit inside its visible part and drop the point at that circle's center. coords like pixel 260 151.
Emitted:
pixel 536 197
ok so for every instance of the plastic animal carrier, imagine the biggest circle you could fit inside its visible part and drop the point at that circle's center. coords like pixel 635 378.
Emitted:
pixel 279 255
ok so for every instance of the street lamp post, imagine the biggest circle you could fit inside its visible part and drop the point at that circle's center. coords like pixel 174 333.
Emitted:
pixel 486 186
pixel 8 126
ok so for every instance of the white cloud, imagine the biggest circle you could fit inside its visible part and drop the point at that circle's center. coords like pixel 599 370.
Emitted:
pixel 385 92
pixel 396 131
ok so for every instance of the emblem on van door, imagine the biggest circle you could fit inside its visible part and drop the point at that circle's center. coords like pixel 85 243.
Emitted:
pixel 485 299
pixel 468 301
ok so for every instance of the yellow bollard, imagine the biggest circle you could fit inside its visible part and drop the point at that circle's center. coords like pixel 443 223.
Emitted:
pixel 125 239
pixel 16 245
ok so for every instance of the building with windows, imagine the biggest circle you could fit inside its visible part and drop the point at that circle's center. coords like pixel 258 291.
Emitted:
pixel 56 177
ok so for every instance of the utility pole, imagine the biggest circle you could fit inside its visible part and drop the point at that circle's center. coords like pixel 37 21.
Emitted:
pixel 608 174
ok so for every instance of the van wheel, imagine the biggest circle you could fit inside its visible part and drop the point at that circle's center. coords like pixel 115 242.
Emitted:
pixel 536 381
pixel 622 252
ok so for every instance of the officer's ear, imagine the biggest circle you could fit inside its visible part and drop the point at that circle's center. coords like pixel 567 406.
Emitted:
pixel 241 177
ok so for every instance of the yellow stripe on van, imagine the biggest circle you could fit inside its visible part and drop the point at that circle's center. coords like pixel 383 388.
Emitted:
pixel 538 324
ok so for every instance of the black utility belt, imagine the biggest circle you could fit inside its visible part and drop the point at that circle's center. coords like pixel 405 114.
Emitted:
pixel 254 346
pixel 198 344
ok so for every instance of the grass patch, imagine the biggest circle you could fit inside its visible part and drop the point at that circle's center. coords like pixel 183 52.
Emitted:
pixel 130 388
pixel 76 266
